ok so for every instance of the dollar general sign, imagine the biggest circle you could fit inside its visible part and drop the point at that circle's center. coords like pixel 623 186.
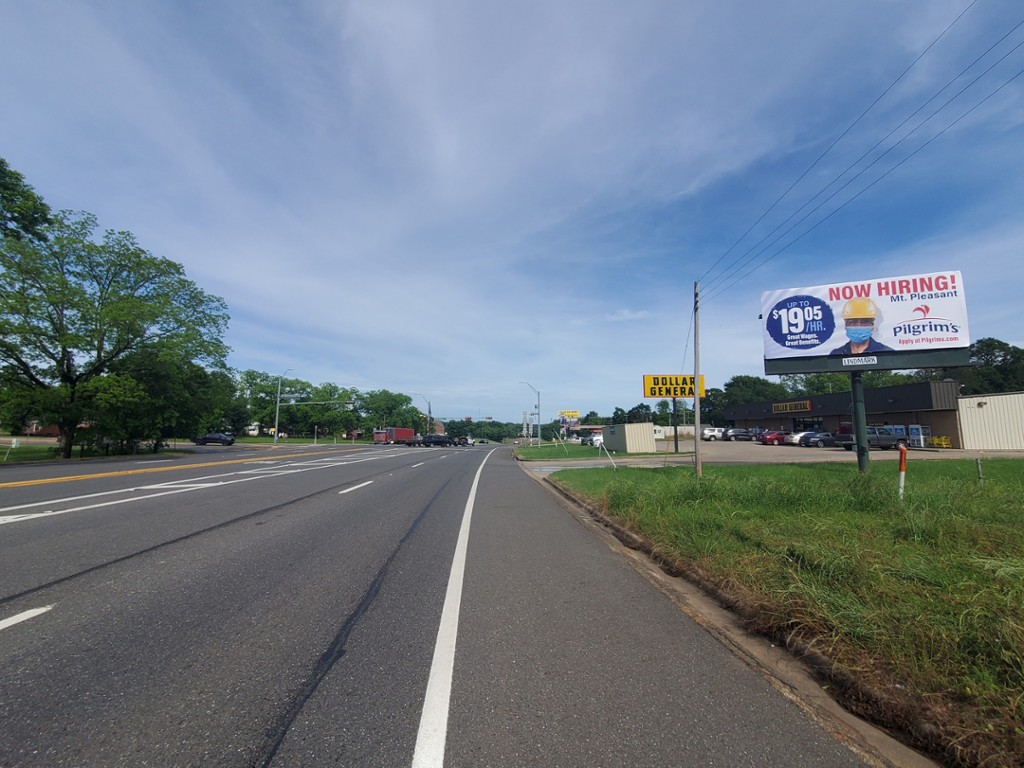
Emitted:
pixel 670 386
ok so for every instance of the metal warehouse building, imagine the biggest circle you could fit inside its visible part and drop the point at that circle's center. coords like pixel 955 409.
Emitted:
pixel 929 404
pixel 993 422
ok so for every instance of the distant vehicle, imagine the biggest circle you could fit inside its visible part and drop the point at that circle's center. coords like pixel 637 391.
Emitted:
pixel 595 439
pixel 712 433
pixel 737 434
pixel 818 440
pixel 483 442
pixel 773 438
pixel 756 432
pixel 878 437
pixel 436 441
pixel 395 436
pixel 214 437
pixel 572 439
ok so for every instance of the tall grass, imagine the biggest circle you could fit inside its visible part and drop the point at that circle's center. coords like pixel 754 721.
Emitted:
pixel 922 595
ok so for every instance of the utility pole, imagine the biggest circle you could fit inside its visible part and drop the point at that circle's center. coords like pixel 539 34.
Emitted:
pixel 696 381
pixel 277 410
pixel 538 409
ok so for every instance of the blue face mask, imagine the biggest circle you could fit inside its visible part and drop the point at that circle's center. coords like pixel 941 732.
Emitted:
pixel 859 333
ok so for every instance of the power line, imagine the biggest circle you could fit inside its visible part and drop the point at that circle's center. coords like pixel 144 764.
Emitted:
pixel 724 288
pixel 837 140
pixel 738 263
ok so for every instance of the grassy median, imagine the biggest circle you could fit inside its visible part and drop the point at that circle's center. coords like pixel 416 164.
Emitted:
pixel 921 601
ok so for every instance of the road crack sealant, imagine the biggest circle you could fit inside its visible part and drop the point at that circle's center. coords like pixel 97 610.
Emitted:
pixel 277 732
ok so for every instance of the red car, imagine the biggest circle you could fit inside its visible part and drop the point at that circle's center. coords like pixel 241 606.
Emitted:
pixel 773 438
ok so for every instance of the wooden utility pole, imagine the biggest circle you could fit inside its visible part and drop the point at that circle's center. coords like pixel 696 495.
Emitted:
pixel 696 380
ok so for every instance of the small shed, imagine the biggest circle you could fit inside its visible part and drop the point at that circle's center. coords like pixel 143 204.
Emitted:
pixel 630 438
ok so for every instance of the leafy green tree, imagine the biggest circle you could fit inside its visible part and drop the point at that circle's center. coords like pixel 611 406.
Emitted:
pixel 712 407
pixel 807 384
pixel 70 307
pixel 618 416
pixel 753 389
pixel 381 408
pixel 23 214
pixel 592 418
pixel 999 368
pixel 639 413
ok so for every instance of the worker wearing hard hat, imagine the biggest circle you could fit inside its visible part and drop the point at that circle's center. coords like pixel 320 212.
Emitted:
pixel 860 315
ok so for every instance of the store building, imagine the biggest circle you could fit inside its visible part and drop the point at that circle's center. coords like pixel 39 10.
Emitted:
pixel 927 409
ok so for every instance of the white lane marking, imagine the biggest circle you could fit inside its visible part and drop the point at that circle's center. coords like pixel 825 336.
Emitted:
pixel 433 731
pixel 23 616
pixel 356 487
pixel 168 488
pixel 417 465
pixel 153 461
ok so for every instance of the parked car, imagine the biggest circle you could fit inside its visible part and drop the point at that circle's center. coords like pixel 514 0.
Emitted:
pixel 214 437
pixel 774 437
pixel 794 437
pixel 878 437
pixel 756 432
pixel 737 434
pixel 818 440
pixel 595 439
pixel 712 433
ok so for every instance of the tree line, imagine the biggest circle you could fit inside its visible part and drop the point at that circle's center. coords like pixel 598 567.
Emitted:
pixel 996 366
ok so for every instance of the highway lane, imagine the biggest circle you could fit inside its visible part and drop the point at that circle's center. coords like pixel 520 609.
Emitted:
pixel 286 614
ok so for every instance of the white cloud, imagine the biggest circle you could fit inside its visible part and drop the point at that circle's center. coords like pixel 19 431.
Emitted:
pixel 510 191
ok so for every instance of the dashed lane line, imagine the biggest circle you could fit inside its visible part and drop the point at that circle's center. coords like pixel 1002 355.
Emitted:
pixel 47 481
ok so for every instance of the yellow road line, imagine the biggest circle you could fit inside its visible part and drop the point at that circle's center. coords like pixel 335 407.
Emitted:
pixel 159 469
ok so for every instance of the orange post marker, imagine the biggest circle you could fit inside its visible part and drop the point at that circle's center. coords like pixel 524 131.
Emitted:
pixel 903 469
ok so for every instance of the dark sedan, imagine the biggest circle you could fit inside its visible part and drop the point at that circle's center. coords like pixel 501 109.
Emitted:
pixel 818 440
pixel 214 437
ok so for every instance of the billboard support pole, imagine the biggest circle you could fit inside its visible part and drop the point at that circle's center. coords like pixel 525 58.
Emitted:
pixel 675 423
pixel 696 380
pixel 860 421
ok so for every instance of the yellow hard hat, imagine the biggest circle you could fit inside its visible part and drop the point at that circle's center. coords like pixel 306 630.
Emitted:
pixel 860 307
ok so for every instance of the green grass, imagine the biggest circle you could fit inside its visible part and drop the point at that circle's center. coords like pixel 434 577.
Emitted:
pixel 29 453
pixel 923 595
pixel 554 452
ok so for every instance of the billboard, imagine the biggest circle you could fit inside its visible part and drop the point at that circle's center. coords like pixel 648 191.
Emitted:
pixel 880 323
pixel 671 386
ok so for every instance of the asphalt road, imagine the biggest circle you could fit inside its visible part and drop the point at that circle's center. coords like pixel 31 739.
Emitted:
pixel 308 607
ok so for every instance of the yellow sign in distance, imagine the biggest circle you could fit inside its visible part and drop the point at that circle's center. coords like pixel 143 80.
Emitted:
pixel 796 406
pixel 671 386
pixel 569 414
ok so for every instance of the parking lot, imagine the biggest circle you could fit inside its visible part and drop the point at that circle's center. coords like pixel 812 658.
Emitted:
pixel 719 452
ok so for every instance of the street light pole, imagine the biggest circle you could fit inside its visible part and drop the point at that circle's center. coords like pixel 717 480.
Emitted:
pixel 538 409
pixel 430 416
pixel 277 410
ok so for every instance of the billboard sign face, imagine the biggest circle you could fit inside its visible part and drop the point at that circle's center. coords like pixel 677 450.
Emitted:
pixel 671 386
pixel 857 324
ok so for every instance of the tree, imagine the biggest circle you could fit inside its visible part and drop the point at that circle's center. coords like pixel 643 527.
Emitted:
pixel 639 413
pixel 592 418
pixel 712 407
pixel 382 408
pixel 753 389
pixel 999 368
pixel 618 416
pixel 23 214
pixel 71 307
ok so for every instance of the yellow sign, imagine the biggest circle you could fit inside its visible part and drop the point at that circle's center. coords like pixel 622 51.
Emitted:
pixel 797 406
pixel 569 414
pixel 670 386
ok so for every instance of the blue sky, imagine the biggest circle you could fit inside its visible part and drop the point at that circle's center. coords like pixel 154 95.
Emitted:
pixel 451 198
